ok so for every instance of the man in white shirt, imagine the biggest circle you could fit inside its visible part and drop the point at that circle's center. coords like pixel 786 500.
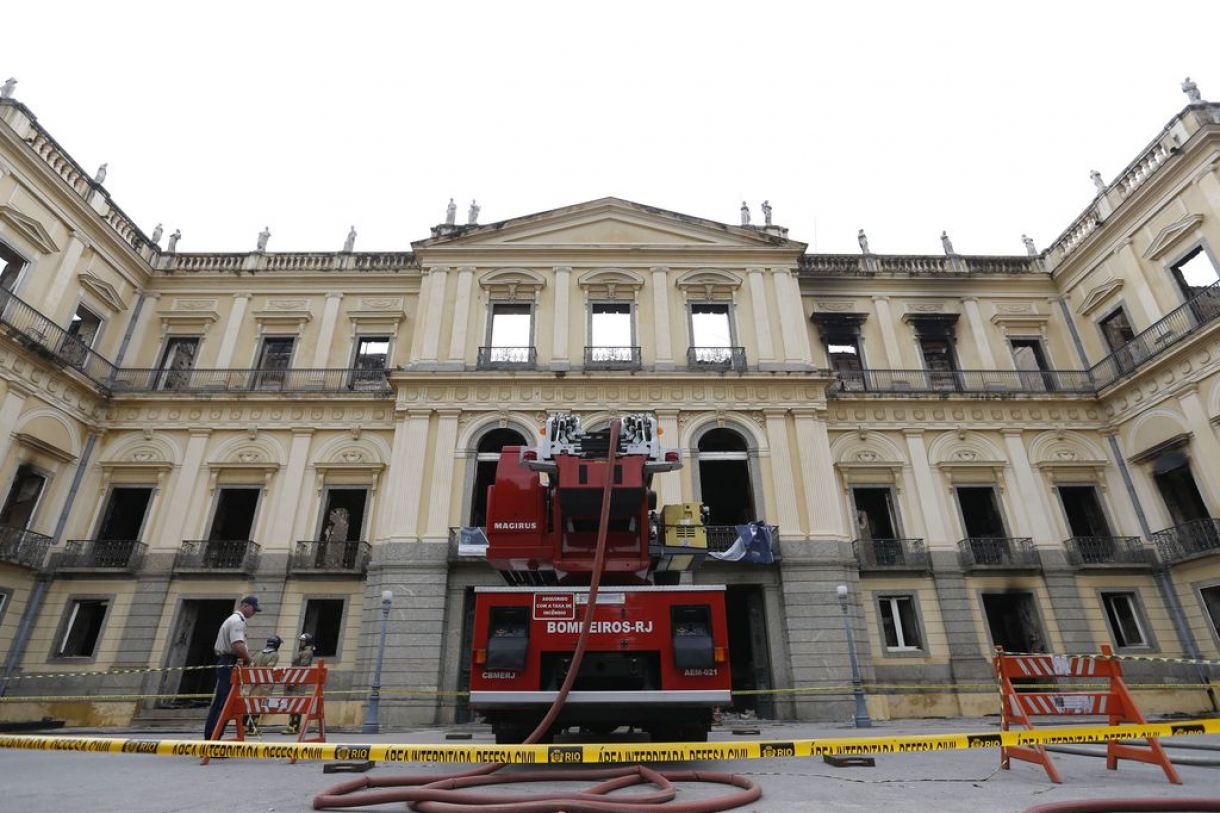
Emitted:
pixel 230 650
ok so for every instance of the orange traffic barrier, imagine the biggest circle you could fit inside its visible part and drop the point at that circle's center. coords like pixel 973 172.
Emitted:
pixel 244 698
pixel 1112 699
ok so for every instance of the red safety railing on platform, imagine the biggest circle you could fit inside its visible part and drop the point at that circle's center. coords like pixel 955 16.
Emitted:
pixel 1111 699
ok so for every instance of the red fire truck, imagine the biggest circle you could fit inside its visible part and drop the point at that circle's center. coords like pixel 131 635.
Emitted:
pixel 658 656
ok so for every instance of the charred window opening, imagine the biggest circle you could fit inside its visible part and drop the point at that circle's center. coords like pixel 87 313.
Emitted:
pixel 487 458
pixel 324 621
pixel 1012 619
pixel 233 518
pixel 841 335
pixel 372 359
pixel 876 514
pixel 274 359
pixel 1116 329
pixel 1211 602
pixel 1178 488
pixel 724 478
pixel 1195 272
pixel 177 362
pixel 935 336
pixel 1030 360
pixel 343 515
pixel 82 332
pixel 980 509
pixel 82 628
pixel 899 623
pixel 1122 613
pixel 691 628
pixel 123 519
pixel 22 498
pixel 611 333
pixel 711 328
pixel 1085 516
pixel 508 631
pixel 511 333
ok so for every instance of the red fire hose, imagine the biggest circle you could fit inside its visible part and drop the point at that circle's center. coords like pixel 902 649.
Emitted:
pixel 448 793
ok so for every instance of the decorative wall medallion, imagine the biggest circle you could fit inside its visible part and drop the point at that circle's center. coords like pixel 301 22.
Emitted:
pixel 966 455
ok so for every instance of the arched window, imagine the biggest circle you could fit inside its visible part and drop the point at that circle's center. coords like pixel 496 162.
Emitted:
pixel 725 484
pixel 488 455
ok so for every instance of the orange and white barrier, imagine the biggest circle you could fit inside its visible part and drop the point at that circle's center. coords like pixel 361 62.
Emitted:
pixel 310 704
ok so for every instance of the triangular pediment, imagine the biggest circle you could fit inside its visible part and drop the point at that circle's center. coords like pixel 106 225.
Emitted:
pixel 102 290
pixel 607 223
pixel 1099 294
pixel 29 228
pixel 1170 234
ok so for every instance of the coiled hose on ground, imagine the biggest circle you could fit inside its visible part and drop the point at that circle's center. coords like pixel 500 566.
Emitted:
pixel 455 792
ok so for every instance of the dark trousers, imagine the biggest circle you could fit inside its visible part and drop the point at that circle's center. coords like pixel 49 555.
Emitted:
pixel 224 680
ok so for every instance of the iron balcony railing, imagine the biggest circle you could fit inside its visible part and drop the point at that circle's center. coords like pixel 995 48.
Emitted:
pixel 1189 539
pixel 507 358
pixel 1084 551
pixel 121 555
pixel 37 332
pixel 612 358
pixel 349 556
pixel 967 381
pixel 19 546
pixel 716 358
pixel 1177 325
pixel 890 554
pixel 999 552
pixel 219 555
pixel 342 380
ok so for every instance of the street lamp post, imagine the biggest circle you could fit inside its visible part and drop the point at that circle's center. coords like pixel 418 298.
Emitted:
pixel 371 725
pixel 861 719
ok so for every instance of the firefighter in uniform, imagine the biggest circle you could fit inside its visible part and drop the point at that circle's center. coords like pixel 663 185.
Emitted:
pixel 267 657
pixel 303 657
pixel 230 649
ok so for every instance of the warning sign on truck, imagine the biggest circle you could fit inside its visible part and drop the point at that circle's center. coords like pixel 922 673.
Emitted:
pixel 554 607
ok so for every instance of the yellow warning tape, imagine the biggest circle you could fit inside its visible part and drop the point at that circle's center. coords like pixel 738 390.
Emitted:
pixel 610 752
pixel 141 670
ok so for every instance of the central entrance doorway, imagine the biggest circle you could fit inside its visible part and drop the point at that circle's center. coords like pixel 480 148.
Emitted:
pixel 193 645
pixel 1012 619
pixel 749 655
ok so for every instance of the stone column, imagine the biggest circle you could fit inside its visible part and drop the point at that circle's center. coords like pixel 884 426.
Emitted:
pixel 889 339
pixel 1142 300
pixel 978 329
pixel 668 485
pixel 1207 447
pixel 788 517
pixel 423 304
pixel 288 495
pixel 560 353
pixel 660 318
pixel 792 318
pixel 326 332
pixel 928 494
pixel 228 339
pixel 819 489
pixel 762 316
pixel 1031 497
pixel 435 316
pixel 461 316
pixel 10 409
pixel 56 300
pixel 441 487
pixel 174 508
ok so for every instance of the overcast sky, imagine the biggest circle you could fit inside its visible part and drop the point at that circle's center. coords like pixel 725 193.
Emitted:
pixel 983 119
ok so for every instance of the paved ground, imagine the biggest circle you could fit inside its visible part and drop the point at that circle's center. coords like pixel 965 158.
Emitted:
pixel 966 781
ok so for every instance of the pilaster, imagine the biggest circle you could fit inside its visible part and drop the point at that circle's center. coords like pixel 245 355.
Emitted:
pixel 925 485
pixel 10 409
pixel 1207 446
pixel 792 318
pixel 978 329
pixel 1031 501
pixel 788 516
pixel 560 353
pixel 326 331
pixel 441 486
pixel 660 318
pixel 175 509
pixel 291 488
pixel 228 339
pixel 433 317
pixel 889 339
pixel 58 303
pixel 817 476
pixel 461 315
pixel 762 318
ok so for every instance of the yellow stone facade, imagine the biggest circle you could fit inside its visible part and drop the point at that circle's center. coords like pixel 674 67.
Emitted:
pixel 934 432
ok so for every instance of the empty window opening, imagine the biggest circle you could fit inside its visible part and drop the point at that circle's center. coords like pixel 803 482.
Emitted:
pixel 876 517
pixel 192 645
pixel 749 653
pixel 1195 272
pixel 1178 489
pixel 611 337
pixel 85 326
pixel 324 621
pixel 1211 601
pixel 1123 615
pixel 234 514
pixel 22 498
pixel 274 359
pixel 899 623
pixel 372 359
pixel 1030 361
pixel 980 509
pixel 82 629
pixel 724 478
pixel 1116 329
pixel 939 360
pixel 512 328
pixel 123 518
pixel 1082 508
pixel 711 333
pixel 1012 620
pixel 343 514
pixel 11 264
pixel 487 458
pixel 177 362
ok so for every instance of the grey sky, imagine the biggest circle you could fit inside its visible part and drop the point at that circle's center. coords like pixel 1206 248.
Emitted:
pixel 904 119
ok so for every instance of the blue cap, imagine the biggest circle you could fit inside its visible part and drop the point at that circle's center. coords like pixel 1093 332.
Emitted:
pixel 253 602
